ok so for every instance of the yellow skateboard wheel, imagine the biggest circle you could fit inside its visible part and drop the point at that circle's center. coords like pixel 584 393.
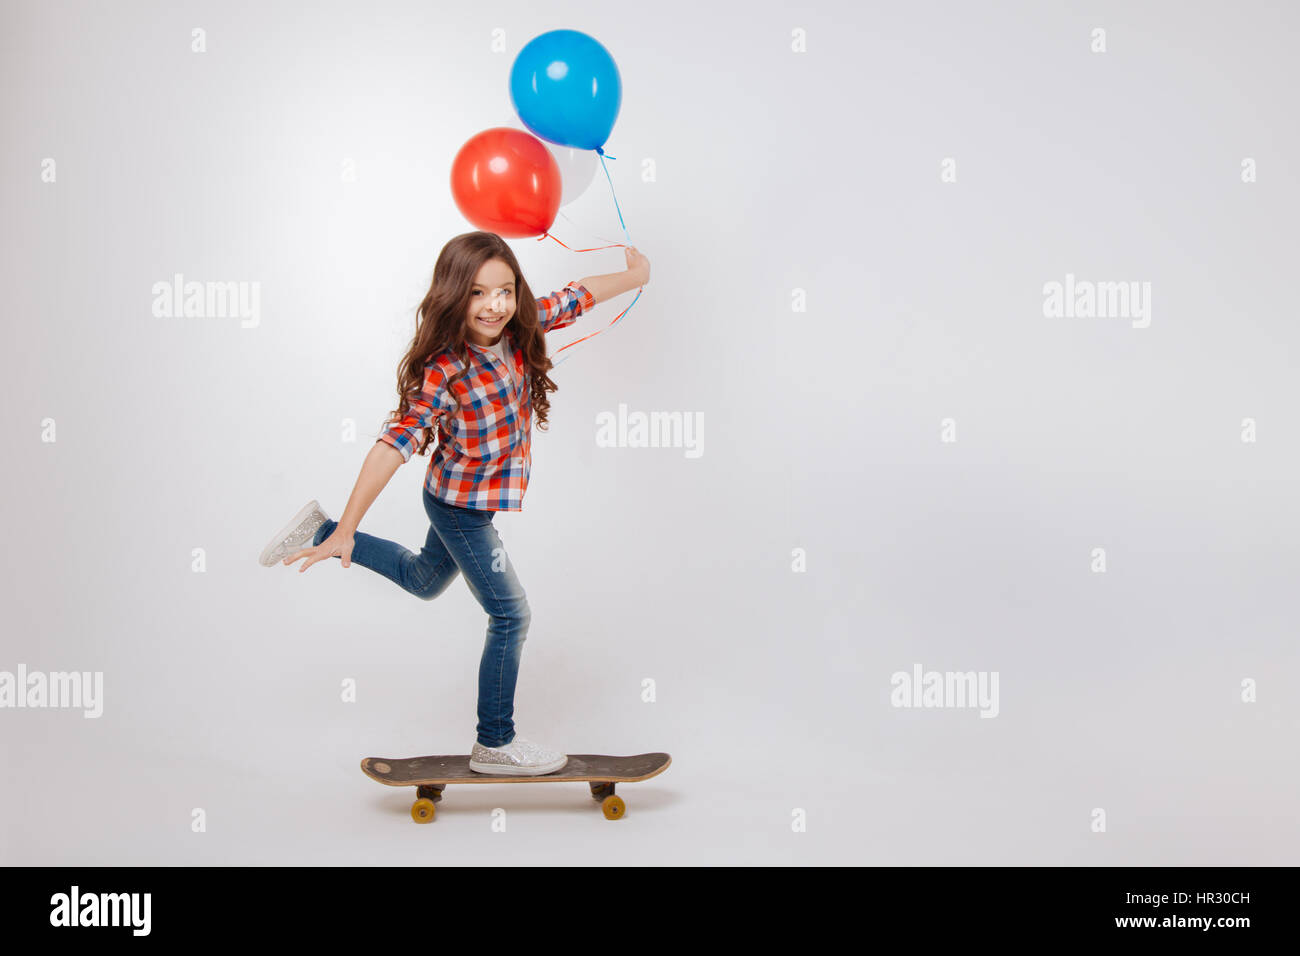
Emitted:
pixel 422 810
pixel 613 806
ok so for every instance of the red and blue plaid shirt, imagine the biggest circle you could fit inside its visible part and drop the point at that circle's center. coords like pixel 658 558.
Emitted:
pixel 484 452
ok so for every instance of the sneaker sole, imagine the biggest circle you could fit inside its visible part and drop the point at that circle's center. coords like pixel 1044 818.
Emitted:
pixel 505 770
pixel 269 557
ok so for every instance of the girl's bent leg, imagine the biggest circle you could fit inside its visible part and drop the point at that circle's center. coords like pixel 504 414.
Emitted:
pixel 426 574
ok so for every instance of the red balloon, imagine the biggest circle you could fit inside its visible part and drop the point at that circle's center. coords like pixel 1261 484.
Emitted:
pixel 505 181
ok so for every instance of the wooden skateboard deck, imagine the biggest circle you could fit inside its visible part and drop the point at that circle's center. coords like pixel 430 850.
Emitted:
pixel 429 775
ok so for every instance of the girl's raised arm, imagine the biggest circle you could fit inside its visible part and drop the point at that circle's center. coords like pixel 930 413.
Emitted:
pixel 607 286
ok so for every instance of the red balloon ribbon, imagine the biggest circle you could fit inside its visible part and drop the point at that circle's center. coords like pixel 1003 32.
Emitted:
pixel 617 245
pixel 603 156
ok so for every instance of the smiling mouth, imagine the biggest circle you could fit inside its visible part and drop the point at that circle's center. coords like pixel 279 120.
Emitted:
pixel 490 321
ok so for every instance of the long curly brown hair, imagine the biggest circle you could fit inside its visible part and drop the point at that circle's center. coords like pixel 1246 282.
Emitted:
pixel 443 317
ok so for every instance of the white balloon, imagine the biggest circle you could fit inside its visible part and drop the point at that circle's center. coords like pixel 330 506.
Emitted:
pixel 577 170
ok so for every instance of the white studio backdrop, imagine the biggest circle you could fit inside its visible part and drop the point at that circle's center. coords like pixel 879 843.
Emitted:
pixel 913 469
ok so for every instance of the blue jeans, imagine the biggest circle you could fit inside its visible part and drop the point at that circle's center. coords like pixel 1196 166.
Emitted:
pixel 462 540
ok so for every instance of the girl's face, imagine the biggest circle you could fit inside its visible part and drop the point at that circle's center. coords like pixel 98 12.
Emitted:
pixel 491 302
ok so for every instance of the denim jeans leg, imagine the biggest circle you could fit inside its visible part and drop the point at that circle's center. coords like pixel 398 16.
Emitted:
pixel 474 543
pixel 425 574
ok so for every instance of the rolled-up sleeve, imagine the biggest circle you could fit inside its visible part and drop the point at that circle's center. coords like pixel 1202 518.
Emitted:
pixel 561 309
pixel 434 401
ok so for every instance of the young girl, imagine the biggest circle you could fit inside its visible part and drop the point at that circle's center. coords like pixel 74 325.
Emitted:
pixel 476 373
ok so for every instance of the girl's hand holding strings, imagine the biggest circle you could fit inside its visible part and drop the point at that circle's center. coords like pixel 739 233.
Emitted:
pixel 638 264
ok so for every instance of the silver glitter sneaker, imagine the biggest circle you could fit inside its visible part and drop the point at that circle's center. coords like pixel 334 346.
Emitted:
pixel 519 758
pixel 294 536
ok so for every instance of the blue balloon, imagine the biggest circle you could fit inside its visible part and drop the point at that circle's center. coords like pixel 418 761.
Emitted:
pixel 566 89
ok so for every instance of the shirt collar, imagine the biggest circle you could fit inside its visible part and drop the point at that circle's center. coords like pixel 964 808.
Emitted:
pixel 505 337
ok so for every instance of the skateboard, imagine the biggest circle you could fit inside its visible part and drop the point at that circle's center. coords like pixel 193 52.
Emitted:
pixel 430 775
